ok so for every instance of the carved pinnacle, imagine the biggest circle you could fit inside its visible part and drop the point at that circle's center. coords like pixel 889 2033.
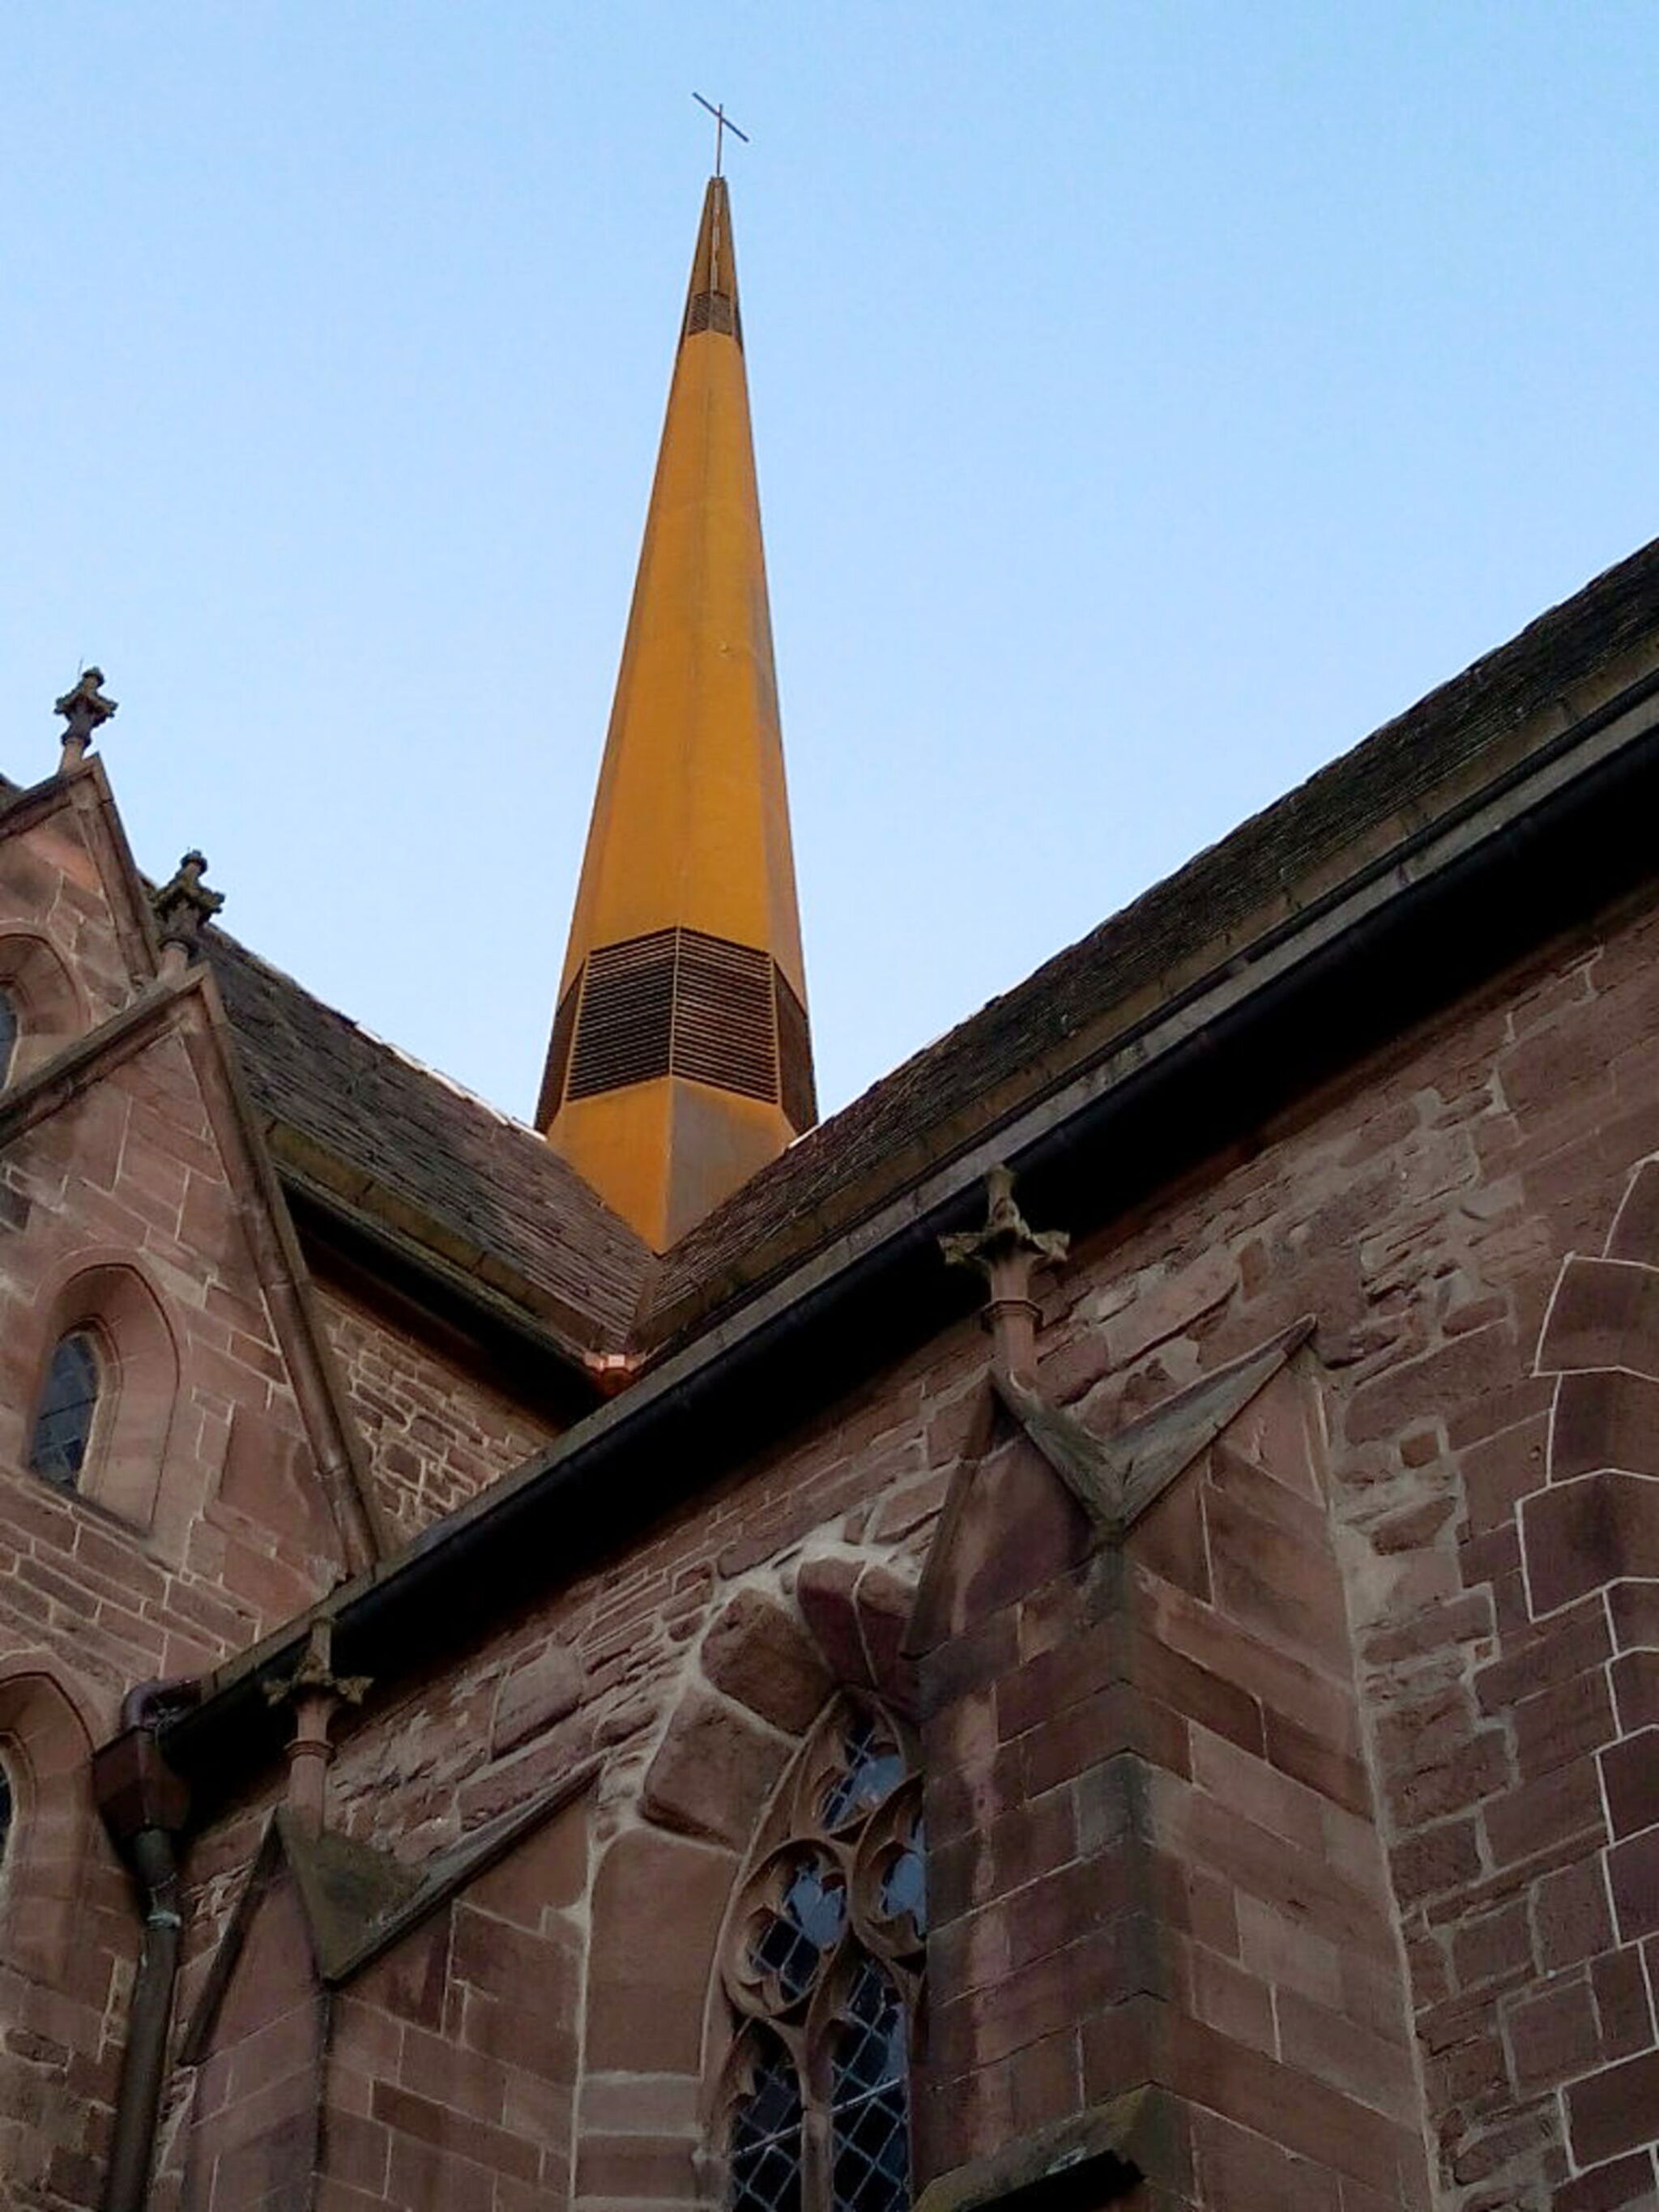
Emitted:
pixel 185 904
pixel 1005 1251
pixel 85 710
pixel 314 1676
pixel 1006 1234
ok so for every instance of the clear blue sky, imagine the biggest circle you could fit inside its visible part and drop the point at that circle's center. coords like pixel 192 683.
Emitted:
pixel 1151 399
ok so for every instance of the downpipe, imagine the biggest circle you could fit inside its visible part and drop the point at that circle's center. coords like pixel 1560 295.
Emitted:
pixel 145 1806
pixel 149 2019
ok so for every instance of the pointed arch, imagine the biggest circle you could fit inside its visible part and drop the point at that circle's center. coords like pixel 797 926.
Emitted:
pixel 45 1741
pixel 46 1005
pixel 820 1977
pixel 108 1302
pixel 662 2047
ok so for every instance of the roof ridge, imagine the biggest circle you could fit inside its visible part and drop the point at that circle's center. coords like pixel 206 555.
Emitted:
pixel 1391 771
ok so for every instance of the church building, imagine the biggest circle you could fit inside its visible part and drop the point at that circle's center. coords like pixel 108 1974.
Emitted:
pixel 1083 1633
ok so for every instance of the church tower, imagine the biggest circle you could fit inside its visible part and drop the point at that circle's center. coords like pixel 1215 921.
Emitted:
pixel 681 1062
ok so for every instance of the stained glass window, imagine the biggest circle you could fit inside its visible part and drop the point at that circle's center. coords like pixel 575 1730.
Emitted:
pixel 69 1402
pixel 7 1035
pixel 5 1815
pixel 824 1970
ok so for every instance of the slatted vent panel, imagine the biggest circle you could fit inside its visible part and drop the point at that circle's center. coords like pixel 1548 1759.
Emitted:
pixel 680 1002
pixel 800 1098
pixel 627 1014
pixel 712 310
pixel 723 1031
pixel 558 1052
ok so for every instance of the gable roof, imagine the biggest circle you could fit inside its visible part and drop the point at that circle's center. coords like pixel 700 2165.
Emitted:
pixel 374 1136
pixel 1349 818
pixel 1512 805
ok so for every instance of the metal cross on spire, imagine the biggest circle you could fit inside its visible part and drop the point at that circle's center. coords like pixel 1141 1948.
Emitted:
pixel 723 123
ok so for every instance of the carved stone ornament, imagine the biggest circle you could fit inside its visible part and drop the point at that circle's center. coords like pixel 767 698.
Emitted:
pixel 1005 1251
pixel 1116 1479
pixel 186 905
pixel 85 710
pixel 316 1693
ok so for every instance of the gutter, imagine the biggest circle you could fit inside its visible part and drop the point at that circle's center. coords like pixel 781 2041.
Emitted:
pixel 1543 848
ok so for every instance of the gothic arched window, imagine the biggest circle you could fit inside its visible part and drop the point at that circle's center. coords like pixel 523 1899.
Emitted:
pixel 8 1029
pixel 67 1408
pixel 822 1965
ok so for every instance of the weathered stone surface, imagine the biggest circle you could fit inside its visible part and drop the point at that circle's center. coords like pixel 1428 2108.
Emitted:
pixel 541 1690
pixel 1582 1534
pixel 1408 1599
pixel 757 1652
pixel 1172 1307
pixel 712 1770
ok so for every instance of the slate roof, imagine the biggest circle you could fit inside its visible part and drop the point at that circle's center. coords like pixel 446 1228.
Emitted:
pixel 1196 921
pixel 419 1159
pixel 422 1159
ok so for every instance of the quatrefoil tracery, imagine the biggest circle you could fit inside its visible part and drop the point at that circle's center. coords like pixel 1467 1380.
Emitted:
pixel 822 1962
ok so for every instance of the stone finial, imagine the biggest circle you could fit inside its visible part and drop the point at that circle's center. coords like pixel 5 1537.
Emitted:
pixel 182 907
pixel 1005 1251
pixel 85 710
pixel 316 1693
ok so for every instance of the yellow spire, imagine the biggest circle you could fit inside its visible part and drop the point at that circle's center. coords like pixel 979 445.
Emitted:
pixel 681 1062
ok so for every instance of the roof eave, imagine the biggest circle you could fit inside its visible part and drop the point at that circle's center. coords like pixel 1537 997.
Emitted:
pixel 1427 921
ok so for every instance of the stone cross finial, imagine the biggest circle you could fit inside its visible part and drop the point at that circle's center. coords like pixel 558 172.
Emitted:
pixel 1005 1251
pixel 316 1692
pixel 182 907
pixel 85 709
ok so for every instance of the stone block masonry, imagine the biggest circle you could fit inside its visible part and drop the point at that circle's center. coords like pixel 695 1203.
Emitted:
pixel 1324 1806
pixel 434 1436
pixel 1307 1808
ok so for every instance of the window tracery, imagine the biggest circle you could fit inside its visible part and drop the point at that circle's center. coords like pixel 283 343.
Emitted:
pixel 822 1966
pixel 67 1408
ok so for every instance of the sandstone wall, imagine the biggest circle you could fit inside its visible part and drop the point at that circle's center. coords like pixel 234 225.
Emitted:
pixel 1423 1213
pixel 1465 1585
pixel 434 1437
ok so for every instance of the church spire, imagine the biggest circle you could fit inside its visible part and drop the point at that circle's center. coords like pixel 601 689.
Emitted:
pixel 680 1062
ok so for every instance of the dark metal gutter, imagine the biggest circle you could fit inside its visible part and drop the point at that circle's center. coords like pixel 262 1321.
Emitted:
pixel 1454 904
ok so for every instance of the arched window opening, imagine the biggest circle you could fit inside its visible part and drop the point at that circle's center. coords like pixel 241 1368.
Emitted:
pixel 870 2154
pixel 822 1967
pixel 42 1005
pixel 766 2117
pixel 68 1409
pixel 7 1813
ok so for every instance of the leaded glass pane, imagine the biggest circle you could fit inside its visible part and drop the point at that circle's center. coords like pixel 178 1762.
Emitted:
pixel 765 2152
pixel 806 1923
pixel 63 1427
pixel 870 2154
pixel 872 1767
pixel 5 1814
pixel 7 1035
pixel 904 1884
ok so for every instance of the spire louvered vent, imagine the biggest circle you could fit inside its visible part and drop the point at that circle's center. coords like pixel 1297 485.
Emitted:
pixel 679 1002
pixel 712 310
